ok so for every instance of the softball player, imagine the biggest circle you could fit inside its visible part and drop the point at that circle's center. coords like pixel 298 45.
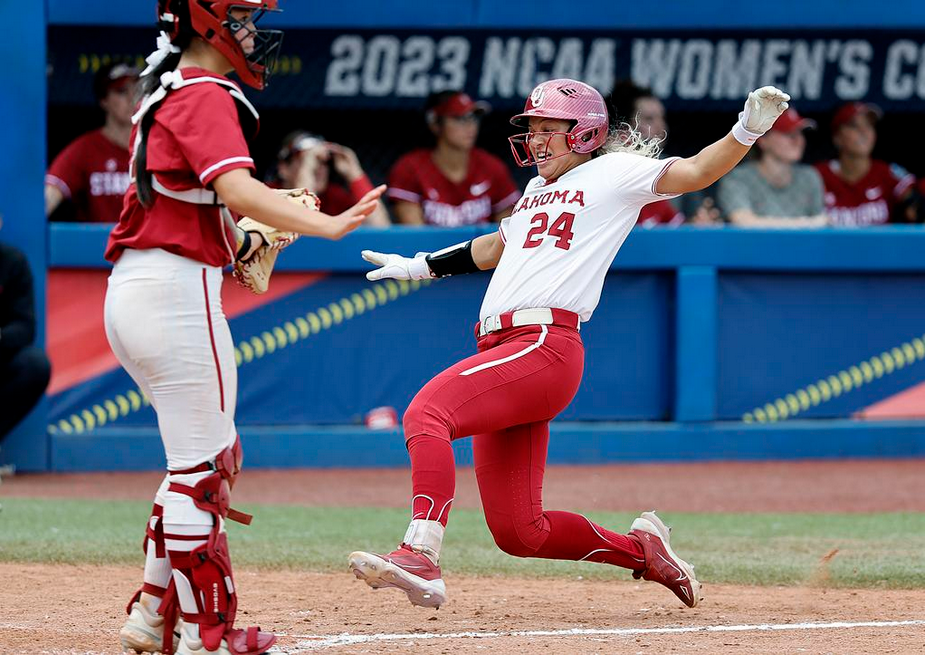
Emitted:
pixel 163 311
pixel 551 257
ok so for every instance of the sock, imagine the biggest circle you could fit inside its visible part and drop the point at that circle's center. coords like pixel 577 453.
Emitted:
pixel 433 478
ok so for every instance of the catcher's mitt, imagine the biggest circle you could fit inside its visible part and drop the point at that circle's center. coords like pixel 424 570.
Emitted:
pixel 254 272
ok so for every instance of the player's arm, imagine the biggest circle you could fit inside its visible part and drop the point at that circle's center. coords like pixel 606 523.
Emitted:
pixel 250 197
pixel 408 213
pixel 53 198
pixel 703 169
pixel 479 254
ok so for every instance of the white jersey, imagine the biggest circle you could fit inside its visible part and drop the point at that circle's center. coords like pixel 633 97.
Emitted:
pixel 562 236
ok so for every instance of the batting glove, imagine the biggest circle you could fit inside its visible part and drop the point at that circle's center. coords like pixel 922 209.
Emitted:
pixel 762 108
pixel 397 267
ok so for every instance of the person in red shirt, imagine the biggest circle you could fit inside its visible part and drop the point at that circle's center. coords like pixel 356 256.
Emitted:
pixel 307 161
pixel 92 171
pixel 861 191
pixel 191 171
pixel 454 183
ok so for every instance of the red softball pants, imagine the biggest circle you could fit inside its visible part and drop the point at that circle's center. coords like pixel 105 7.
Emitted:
pixel 504 397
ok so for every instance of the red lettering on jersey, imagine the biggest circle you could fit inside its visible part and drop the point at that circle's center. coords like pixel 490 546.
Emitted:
pixel 560 196
pixel 546 198
pixel 579 197
pixel 561 229
pixel 539 222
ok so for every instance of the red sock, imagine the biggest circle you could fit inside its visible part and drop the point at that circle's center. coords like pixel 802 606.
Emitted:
pixel 433 477
pixel 574 537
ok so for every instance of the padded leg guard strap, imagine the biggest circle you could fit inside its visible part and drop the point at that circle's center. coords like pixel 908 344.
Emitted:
pixel 207 568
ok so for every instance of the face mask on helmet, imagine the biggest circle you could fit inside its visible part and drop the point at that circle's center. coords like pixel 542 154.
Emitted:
pixel 230 26
pixel 563 99
pixel 260 47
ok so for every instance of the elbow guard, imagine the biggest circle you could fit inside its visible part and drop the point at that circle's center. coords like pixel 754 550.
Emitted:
pixel 455 260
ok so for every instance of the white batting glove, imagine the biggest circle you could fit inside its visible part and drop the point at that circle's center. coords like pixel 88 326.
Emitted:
pixel 762 108
pixel 397 267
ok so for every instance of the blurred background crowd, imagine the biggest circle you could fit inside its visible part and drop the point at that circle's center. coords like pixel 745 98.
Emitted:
pixel 452 167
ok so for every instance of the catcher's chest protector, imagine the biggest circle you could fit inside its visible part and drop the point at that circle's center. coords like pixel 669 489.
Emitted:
pixel 171 81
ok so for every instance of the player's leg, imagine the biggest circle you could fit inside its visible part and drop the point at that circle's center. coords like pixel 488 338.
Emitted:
pixel 143 630
pixel 510 465
pixel 185 355
pixel 525 375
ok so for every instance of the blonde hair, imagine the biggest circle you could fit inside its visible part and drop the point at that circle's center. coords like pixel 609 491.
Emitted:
pixel 627 138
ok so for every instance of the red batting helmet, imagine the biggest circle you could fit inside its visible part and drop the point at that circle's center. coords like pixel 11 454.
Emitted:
pixel 569 100
pixel 212 20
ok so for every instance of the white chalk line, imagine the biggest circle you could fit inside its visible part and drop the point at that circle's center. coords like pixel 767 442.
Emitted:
pixel 320 642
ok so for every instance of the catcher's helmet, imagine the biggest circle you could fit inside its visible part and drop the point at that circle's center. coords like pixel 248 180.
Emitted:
pixel 569 100
pixel 212 21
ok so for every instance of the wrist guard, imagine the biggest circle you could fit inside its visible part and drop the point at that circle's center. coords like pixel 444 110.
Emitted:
pixel 455 260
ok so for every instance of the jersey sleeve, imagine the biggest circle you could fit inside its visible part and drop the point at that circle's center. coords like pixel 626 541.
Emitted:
pixel 405 181
pixel 66 172
pixel 204 121
pixel 635 177
pixel 504 192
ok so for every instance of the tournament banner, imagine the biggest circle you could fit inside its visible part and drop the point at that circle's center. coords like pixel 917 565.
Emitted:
pixel 690 71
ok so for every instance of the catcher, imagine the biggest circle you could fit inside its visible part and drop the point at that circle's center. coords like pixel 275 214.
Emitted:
pixel 163 313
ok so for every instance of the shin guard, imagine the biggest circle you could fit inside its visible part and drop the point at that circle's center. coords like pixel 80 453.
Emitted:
pixel 206 569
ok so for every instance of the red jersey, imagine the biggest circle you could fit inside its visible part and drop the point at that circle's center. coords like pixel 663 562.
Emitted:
pixel 196 136
pixel 487 189
pixel 661 212
pixel 870 200
pixel 92 172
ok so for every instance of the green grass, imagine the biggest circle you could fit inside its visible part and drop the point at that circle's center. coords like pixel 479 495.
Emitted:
pixel 875 550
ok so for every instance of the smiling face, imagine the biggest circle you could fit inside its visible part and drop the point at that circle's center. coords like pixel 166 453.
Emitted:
pixel 549 146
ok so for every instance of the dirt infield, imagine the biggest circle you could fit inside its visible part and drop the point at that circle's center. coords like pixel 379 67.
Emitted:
pixel 58 609
pixel 61 609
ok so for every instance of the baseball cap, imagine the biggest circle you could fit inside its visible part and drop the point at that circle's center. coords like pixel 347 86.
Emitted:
pixel 790 121
pixel 848 111
pixel 455 103
pixel 112 76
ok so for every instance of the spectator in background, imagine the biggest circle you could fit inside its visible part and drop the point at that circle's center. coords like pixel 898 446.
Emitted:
pixel 777 190
pixel 308 161
pixel 640 108
pixel 454 183
pixel 92 171
pixel 860 191
pixel 24 368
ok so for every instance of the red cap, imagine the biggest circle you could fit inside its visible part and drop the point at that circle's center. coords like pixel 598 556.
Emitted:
pixel 790 120
pixel 460 104
pixel 847 113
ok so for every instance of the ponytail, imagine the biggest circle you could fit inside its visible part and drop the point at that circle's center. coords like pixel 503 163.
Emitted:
pixel 176 36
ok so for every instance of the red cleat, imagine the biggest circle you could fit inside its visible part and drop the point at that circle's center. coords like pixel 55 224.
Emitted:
pixel 412 572
pixel 662 565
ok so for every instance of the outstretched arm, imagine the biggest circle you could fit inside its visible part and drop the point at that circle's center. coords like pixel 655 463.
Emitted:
pixel 762 108
pixel 479 254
